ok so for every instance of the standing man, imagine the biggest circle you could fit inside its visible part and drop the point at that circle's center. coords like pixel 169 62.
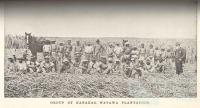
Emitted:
pixel 78 49
pixel 47 48
pixel 179 58
pixel 118 51
pixel 98 49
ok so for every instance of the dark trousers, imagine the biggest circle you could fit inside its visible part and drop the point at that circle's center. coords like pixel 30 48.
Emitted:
pixel 179 66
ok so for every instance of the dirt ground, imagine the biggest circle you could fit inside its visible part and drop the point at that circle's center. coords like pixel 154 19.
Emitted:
pixel 65 85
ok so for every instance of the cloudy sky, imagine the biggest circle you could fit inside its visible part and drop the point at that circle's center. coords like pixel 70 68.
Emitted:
pixel 107 19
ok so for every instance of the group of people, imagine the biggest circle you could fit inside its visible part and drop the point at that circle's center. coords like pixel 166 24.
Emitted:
pixel 121 58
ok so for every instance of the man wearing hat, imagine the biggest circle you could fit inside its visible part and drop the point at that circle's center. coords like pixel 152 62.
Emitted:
pixel 142 51
pixel 93 65
pixel 110 50
pixel 118 51
pixel 88 51
pixel 60 51
pixel 47 48
pixel 11 65
pixel 68 47
pixel 47 66
pixel 98 49
pixel 179 57
pixel 110 64
pixel 66 66
pixel 32 65
pixel 53 48
pixel 117 66
pixel 134 54
pixel 102 65
pixel 128 68
pixel 78 52
pixel 85 66
pixel 127 51
pixel 157 55
pixel 21 65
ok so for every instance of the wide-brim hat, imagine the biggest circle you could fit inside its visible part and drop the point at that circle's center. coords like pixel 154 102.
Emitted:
pixel 46 57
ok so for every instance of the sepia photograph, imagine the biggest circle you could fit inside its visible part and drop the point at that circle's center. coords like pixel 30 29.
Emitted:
pixel 138 49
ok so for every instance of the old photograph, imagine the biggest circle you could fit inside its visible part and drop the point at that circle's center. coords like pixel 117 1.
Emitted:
pixel 100 49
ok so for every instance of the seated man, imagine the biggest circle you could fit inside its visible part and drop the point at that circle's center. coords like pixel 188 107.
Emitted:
pixel 77 59
pixel 85 66
pixel 66 67
pixel 117 67
pixel 93 65
pixel 32 65
pixel 149 65
pixel 127 68
pixel 46 66
pixel 138 68
pixel 110 68
pixel 103 66
pixel 21 65
pixel 11 66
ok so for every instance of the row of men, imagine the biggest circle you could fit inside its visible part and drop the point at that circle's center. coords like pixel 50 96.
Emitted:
pixel 104 66
pixel 111 59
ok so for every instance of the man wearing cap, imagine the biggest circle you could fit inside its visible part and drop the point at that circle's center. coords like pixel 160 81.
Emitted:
pixel 179 56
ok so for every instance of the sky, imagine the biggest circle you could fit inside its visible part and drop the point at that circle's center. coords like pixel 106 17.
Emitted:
pixel 102 19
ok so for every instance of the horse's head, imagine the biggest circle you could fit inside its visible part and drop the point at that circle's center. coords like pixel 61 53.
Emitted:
pixel 27 34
